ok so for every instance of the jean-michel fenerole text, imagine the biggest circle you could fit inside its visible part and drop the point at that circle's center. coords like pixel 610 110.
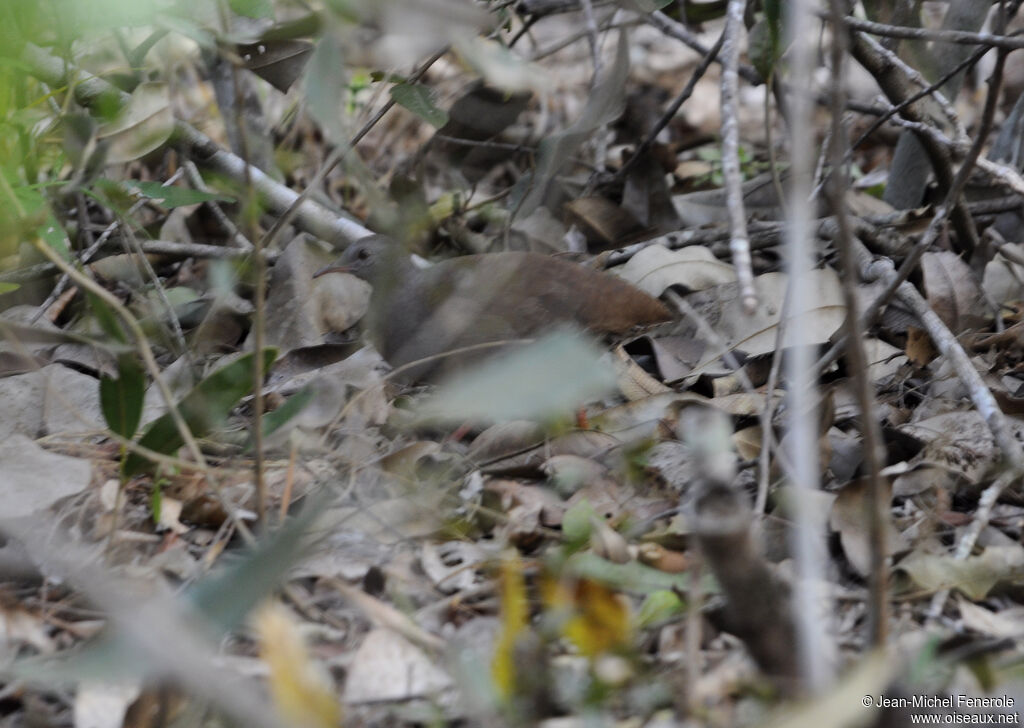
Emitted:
pixel 944 701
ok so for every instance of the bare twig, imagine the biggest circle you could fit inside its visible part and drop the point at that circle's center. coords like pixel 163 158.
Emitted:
pixel 309 215
pixel 739 241
pixel 873 449
pixel 960 37
pixel 815 650
pixel 672 109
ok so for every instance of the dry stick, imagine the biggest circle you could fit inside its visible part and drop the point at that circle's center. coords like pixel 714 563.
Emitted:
pixel 815 649
pixel 768 413
pixel 86 256
pixel 337 154
pixel 937 224
pixel 874 453
pixel 677 30
pixel 250 213
pixel 196 180
pixel 960 37
pixel 982 516
pixel 673 108
pixel 604 25
pixel 929 90
pixel 895 84
pixel 592 40
pixel 947 345
pixel 89 90
pixel 915 77
pixel 739 241
pixel 152 367
pixel 131 244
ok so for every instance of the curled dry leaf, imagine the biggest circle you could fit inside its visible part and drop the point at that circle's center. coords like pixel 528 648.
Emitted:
pixel 1004 274
pixel 633 382
pixel 608 543
pixel 32 479
pixel 958 448
pixel 452 566
pixel 850 516
pixel 754 335
pixel 143 125
pixel 953 292
pixel 656 268
pixel 301 309
pixel 975 576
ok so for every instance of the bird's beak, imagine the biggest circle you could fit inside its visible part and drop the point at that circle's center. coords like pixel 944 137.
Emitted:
pixel 332 268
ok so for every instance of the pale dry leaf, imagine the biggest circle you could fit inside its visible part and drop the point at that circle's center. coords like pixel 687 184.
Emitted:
pixel 851 517
pixel 388 667
pixel 1004 274
pixel 634 383
pixel 302 688
pixel 32 479
pixel 656 268
pixel 975 576
pixel 754 335
pixel 452 566
pixel 953 292
pixel 301 310
pixel 103 705
pixel 1005 624
pixel 143 125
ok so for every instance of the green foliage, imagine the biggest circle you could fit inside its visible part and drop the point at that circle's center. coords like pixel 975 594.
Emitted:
pixel 252 8
pixel 749 167
pixel 419 99
pixel 204 409
pixel 171 197
pixel 765 39
pixel 121 399
pixel 577 525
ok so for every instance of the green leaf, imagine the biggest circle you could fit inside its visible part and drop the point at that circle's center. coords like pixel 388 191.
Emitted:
pixel 204 409
pixel 419 99
pixel 8 287
pixel 763 48
pixel 252 8
pixel 577 523
pixel 632 576
pixel 171 197
pixel 156 500
pixel 658 607
pixel 121 399
pixel 326 88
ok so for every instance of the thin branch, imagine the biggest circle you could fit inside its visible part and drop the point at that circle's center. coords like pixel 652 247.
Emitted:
pixel 874 451
pixel 739 240
pixel 960 37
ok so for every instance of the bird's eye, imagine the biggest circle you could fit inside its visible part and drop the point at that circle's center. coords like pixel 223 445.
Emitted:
pixel 362 254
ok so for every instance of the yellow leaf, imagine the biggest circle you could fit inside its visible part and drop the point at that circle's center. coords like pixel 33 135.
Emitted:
pixel 515 614
pixel 598 618
pixel 302 689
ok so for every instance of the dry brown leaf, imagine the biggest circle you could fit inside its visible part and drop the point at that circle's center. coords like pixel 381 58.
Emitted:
pixel 851 517
pixel 953 292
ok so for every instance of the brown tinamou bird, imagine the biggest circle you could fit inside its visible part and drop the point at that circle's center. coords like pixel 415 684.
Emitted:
pixel 418 313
